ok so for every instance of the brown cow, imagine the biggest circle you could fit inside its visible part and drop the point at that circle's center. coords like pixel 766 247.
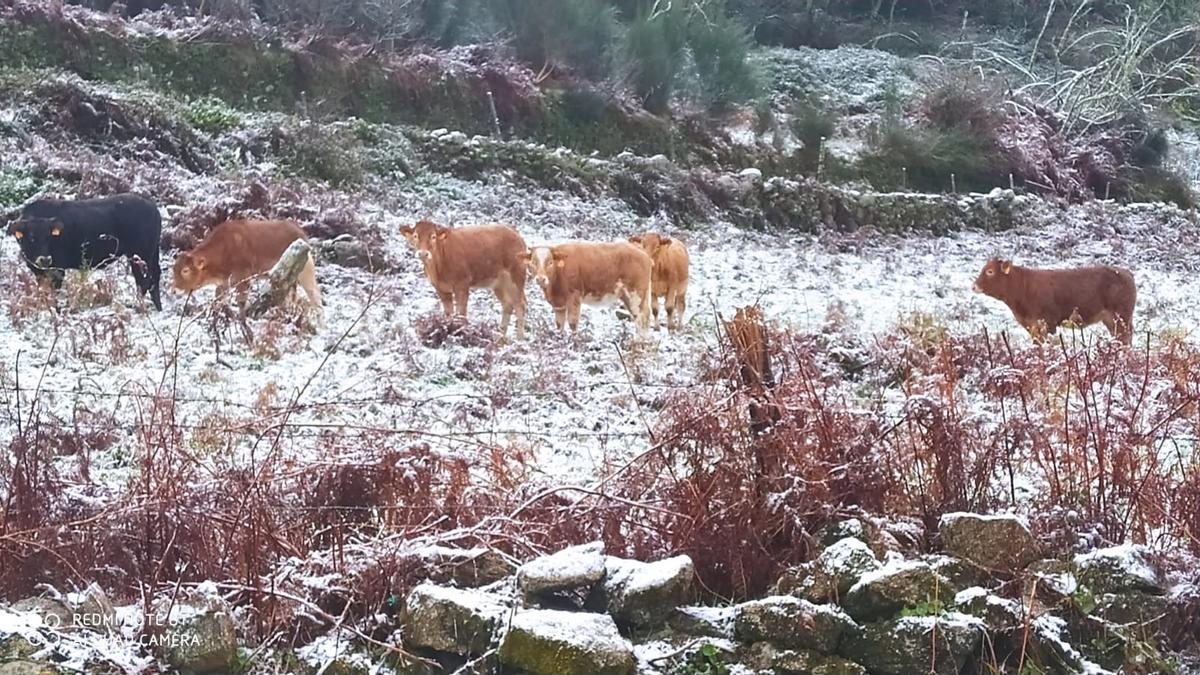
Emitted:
pixel 574 273
pixel 237 250
pixel 670 277
pixel 459 259
pixel 1042 299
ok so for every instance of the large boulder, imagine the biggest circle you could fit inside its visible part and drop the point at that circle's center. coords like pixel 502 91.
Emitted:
pixel 995 542
pixel 193 634
pixel 831 575
pixel 765 657
pixel 925 644
pixel 1119 569
pixel 553 642
pixel 792 623
pixel 572 568
pixel 885 592
pixel 451 620
pixel 641 594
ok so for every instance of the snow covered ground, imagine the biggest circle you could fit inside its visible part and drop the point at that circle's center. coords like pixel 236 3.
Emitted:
pixel 580 403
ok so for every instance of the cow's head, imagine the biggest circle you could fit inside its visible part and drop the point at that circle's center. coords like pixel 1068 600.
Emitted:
pixel 543 264
pixel 995 278
pixel 425 238
pixel 37 237
pixel 190 271
pixel 651 243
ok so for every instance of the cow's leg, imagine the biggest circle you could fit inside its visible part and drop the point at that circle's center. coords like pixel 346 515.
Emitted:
pixel 680 304
pixel 654 311
pixel 519 307
pixel 461 295
pixel 560 318
pixel 447 303
pixel 154 278
pixel 573 313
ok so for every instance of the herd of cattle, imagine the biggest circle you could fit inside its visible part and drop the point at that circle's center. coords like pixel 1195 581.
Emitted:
pixel 55 235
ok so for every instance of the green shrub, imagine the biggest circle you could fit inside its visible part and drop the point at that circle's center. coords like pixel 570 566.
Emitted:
pixel 652 52
pixel 211 116
pixel 720 49
pixel 903 156
pixel 16 186
pixel 579 33
pixel 328 153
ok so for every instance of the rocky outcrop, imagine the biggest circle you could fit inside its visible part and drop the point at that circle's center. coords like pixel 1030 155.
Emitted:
pixel 641 594
pixel 996 542
pixel 792 623
pixel 193 634
pixel 574 568
pixel 451 620
pixel 888 590
pixel 553 642
pixel 938 644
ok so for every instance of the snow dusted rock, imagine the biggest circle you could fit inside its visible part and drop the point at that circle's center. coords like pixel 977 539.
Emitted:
pixel 765 657
pixel 553 642
pixel 851 527
pixel 886 591
pixel 910 644
pixel 27 668
pixel 1049 581
pixel 960 574
pixel 998 613
pixel 714 622
pixel 92 609
pixel 644 594
pixel 569 569
pixel 466 567
pixel 792 623
pixel 451 620
pixel 1143 612
pixel 998 541
pixel 1118 569
pixel 193 634
pixel 835 570
pixel 54 613
pixel 1048 638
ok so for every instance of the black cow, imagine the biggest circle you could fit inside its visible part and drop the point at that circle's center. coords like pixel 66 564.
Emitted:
pixel 90 233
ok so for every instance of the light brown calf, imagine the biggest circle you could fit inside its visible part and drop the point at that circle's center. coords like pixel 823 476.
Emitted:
pixel 1042 299
pixel 459 259
pixel 670 277
pixel 237 250
pixel 575 273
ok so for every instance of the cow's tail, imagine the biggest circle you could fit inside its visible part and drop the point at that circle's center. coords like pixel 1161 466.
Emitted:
pixel 647 298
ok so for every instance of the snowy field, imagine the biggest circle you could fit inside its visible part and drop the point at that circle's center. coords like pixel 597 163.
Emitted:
pixel 580 404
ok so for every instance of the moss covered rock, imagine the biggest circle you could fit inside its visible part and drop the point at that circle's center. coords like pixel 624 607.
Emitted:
pixel 24 667
pixel 451 620
pixel 464 567
pixel 792 623
pixel 193 635
pixel 995 542
pixel 937 644
pixel 1000 614
pixel 1119 569
pixel 714 622
pixel 765 657
pixel 885 592
pixel 552 642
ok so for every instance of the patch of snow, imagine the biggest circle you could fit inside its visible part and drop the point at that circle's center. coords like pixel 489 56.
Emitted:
pixel 1130 559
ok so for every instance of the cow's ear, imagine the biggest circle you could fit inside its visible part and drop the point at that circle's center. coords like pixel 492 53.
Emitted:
pixel 664 241
pixel 525 256
pixel 17 230
pixel 560 263
pixel 635 239
pixel 1006 266
pixel 56 231
pixel 442 232
pixel 200 262
pixel 406 230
